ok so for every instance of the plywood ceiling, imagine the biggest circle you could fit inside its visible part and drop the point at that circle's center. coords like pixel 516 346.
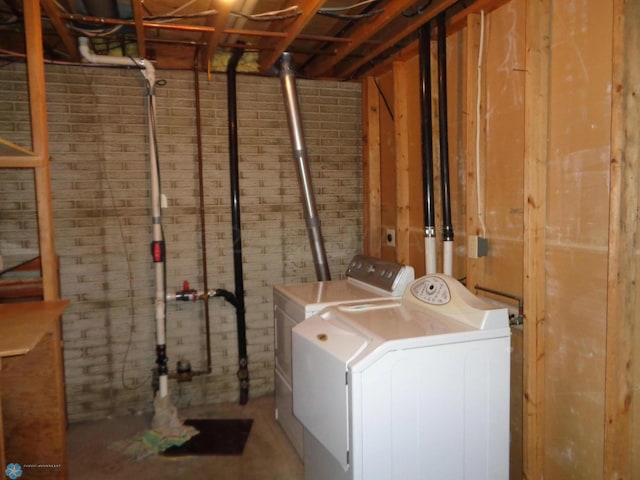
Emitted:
pixel 340 39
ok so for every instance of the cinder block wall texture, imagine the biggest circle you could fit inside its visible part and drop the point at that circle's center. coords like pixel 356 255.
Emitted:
pixel 101 198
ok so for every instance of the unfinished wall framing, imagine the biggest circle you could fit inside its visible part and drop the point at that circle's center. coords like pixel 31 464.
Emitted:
pixel 28 150
pixel 557 189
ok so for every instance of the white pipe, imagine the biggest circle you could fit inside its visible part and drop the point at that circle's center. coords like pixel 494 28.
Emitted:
pixel 447 260
pixel 148 71
pixel 430 254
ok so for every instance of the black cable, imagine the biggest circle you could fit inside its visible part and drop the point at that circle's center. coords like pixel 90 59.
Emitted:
pixel 384 98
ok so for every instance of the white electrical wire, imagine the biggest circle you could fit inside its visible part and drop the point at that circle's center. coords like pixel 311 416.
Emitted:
pixel 480 196
pixel 347 7
pixel 180 8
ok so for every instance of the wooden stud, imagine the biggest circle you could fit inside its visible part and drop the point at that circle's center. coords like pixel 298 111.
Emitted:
pixel 136 6
pixel 623 228
pixel 474 267
pixel 401 124
pixel 39 139
pixel 537 39
pixel 371 167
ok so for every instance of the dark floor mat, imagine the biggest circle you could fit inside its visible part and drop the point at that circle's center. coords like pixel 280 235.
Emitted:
pixel 216 437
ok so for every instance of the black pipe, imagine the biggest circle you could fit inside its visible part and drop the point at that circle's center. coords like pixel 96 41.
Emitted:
pixel 227 295
pixel 447 230
pixel 243 372
pixel 203 231
pixel 424 34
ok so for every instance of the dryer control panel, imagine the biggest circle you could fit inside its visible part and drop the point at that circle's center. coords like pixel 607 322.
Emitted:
pixel 389 276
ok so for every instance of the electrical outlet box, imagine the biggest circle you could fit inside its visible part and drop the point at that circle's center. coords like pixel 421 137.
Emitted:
pixel 477 246
pixel 390 237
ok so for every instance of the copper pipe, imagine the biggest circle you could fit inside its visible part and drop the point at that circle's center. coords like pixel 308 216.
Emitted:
pixel 197 29
pixel 203 232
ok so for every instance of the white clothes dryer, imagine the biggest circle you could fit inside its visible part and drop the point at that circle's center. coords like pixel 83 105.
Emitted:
pixel 368 279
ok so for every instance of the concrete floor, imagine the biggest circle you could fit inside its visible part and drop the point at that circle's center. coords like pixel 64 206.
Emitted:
pixel 98 450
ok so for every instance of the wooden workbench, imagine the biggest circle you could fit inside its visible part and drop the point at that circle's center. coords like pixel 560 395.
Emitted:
pixel 32 406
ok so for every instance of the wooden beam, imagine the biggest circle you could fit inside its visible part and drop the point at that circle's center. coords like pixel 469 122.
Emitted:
pixel 16 156
pixel 371 141
pixel 200 29
pixel 20 161
pixel 622 275
pixel 391 11
pixel 403 180
pixel 136 6
pixel 309 8
pixel 475 128
pixel 40 141
pixel 214 38
pixel 459 20
pixel 537 40
pixel 68 39
pixel 35 72
pixel 365 33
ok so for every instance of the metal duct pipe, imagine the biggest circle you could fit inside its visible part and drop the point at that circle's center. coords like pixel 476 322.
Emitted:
pixel 288 80
pixel 427 149
pixel 243 371
pixel 447 229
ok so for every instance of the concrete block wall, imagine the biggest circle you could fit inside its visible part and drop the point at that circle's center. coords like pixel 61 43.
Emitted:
pixel 100 177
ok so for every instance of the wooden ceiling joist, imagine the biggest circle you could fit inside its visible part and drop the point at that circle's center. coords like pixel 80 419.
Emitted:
pixel 68 39
pixel 213 38
pixel 344 47
pixel 308 8
pixel 391 11
pixel 431 13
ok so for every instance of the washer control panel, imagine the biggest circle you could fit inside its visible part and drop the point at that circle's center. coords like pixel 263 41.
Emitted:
pixel 432 290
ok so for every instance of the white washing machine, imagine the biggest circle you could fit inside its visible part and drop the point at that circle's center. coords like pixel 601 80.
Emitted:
pixel 367 279
pixel 405 389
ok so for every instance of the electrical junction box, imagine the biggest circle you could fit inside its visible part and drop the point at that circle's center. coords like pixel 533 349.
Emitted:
pixel 477 247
